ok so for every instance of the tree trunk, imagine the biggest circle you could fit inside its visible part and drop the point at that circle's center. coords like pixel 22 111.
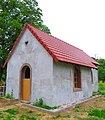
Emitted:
pixel 1 72
pixel 1 68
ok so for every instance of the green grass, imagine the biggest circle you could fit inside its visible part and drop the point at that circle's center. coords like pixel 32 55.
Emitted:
pixel 91 118
pixel 12 111
pixel 11 114
pixel 97 113
pixel 30 111
pixel 59 116
pixel 27 117
pixel 66 116
pixel 79 105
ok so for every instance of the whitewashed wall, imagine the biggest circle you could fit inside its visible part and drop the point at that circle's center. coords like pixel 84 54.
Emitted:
pixel 42 69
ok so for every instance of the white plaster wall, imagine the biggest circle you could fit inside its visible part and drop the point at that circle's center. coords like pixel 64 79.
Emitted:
pixel 63 84
pixel 86 82
pixel 51 81
pixel 95 80
pixel 42 68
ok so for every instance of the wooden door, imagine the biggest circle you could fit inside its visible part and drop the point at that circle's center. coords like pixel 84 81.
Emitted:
pixel 26 89
pixel 25 84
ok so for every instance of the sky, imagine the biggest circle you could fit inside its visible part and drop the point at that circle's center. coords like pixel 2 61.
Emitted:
pixel 77 22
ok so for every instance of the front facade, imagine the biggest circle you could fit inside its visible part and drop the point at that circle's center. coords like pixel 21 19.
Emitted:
pixel 40 63
pixel 32 73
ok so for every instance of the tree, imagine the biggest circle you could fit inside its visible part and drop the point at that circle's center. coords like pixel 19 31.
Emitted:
pixel 101 70
pixel 13 15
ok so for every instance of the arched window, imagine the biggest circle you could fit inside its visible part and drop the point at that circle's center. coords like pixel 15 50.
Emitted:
pixel 26 72
pixel 77 77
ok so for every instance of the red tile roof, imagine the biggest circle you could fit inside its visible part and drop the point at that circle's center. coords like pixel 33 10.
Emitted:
pixel 58 49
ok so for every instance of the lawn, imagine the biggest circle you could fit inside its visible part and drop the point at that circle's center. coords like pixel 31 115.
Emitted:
pixel 90 110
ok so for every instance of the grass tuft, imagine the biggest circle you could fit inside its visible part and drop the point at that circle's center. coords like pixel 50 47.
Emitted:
pixel 97 113
pixel 12 111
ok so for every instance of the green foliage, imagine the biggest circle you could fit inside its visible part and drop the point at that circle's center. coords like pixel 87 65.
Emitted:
pixel 13 15
pixel 11 114
pixel 57 116
pixel 26 117
pixel 8 96
pixel 38 114
pixel 79 105
pixel 102 93
pixel 30 111
pixel 95 93
pixel 9 117
pixel 101 86
pixel 12 111
pixel 101 70
pixel 91 118
pixel 97 112
pixel 40 103
pixel 1 116
pixel 66 116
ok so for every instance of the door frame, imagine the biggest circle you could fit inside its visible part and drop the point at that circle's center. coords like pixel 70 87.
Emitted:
pixel 20 81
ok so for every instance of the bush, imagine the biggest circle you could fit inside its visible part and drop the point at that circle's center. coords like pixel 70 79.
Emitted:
pixel 8 96
pixel 102 92
pixel 95 93
pixel 40 103
pixel 101 86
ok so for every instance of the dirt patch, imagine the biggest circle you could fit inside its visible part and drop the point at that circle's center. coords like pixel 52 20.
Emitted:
pixel 7 103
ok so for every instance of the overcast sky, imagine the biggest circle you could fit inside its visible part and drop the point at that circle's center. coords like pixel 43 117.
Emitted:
pixel 78 22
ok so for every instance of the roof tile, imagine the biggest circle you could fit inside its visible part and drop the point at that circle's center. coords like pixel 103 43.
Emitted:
pixel 58 49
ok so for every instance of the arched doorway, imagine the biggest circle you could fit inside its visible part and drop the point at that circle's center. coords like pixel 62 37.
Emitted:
pixel 25 83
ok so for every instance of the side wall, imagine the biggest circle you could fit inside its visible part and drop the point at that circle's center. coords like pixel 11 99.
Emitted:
pixel 41 64
pixel 95 80
pixel 63 84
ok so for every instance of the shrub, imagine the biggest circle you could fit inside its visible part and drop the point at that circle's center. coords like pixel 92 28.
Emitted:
pixel 101 86
pixel 102 92
pixel 95 93
pixel 8 96
pixel 40 103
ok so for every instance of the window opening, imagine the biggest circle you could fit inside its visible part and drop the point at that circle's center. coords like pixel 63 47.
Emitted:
pixel 77 77
pixel 26 72
pixel 26 43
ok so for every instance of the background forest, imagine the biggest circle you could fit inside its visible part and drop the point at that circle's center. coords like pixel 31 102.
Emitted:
pixel 13 15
